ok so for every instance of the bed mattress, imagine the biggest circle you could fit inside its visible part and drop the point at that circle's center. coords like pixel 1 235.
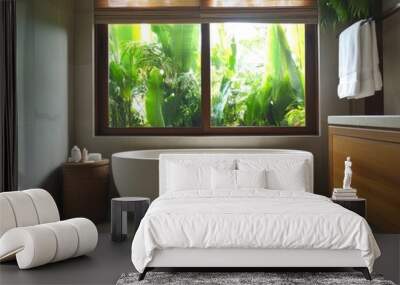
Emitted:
pixel 250 219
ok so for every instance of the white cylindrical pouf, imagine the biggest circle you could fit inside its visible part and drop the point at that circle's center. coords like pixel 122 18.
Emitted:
pixel 87 233
pixel 23 208
pixel 45 206
pixel 37 245
pixel 31 232
pixel 40 247
pixel 7 218
pixel 67 240
pixel 33 246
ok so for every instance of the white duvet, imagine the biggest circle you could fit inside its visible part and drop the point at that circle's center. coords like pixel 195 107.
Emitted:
pixel 250 219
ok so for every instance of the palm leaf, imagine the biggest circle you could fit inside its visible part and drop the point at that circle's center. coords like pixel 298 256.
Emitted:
pixel 280 64
pixel 282 96
pixel 180 43
pixel 227 59
pixel 258 106
pixel 154 99
pixel 333 12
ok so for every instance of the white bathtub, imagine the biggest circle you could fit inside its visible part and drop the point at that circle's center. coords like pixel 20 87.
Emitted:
pixel 135 173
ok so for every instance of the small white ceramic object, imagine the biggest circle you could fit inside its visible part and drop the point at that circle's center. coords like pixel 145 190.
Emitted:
pixel 76 154
pixel 85 157
pixel 94 156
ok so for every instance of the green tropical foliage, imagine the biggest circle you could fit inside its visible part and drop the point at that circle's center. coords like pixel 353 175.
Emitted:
pixel 334 12
pixel 224 55
pixel 154 75
pixel 263 92
pixel 256 79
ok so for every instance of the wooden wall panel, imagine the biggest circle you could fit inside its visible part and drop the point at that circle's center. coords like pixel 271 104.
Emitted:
pixel 204 11
pixel 148 4
pixel 376 171
pixel 156 4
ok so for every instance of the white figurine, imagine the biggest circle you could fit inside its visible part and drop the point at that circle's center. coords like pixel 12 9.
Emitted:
pixel 347 174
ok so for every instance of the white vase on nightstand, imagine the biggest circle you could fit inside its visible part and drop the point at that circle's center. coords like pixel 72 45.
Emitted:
pixel 85 155
pixel 76 154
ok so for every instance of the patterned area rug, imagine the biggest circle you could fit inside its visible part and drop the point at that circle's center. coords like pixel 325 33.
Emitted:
pixel 244 278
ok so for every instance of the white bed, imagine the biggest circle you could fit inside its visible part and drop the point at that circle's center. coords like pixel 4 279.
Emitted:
pixel 202 220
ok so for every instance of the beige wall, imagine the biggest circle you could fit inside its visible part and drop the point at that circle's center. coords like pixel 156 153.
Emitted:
pixel 84 113
pixel 44 91
pixel 391 60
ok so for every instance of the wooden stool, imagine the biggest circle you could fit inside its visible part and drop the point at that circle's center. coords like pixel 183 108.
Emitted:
pixel 119 209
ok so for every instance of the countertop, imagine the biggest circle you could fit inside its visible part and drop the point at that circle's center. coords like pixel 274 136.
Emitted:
pixel 391 122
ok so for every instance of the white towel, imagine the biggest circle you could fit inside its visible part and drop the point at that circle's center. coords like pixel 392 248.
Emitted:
pixel 359 77
pixel 366 74
pixel 375 58
pixel 349 61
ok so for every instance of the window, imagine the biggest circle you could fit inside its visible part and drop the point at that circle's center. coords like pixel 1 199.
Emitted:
pixel 218 77
pixel 257 75
pixel 154 76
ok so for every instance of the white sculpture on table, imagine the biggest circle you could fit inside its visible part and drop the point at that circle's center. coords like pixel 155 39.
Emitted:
pixel 347 174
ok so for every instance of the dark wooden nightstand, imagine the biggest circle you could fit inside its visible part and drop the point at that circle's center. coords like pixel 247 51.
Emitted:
pixel 358 205
pixel 85 190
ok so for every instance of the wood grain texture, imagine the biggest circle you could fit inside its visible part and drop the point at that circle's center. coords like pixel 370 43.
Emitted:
pixel 205 11
pixel 259 3
pixel 157 4
pixel 85 190
pixel 376 171
pixel 148 4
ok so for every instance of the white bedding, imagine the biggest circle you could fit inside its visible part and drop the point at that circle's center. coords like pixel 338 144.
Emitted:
pixel 250 219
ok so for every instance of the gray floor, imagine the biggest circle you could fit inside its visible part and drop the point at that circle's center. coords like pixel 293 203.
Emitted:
pixel 389 262
pixel 103 266
pixel 110 260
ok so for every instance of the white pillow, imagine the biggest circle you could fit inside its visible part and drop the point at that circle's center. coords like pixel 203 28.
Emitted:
pixel 181 177
pixel 293 180
pixel 223 179
pixel 251 178
pixel 227 179
pixel 282 174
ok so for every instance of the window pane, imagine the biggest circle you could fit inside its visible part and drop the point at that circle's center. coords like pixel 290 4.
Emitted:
pixel 257 74
pixel 154 75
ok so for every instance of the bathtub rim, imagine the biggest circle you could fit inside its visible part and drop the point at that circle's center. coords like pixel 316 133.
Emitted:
pixel 153 154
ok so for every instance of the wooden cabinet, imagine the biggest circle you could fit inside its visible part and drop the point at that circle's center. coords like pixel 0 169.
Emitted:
pixel 85 190
pixel 375 154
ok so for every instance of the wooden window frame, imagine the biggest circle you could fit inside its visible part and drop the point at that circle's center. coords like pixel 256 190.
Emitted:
pixel 311 94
